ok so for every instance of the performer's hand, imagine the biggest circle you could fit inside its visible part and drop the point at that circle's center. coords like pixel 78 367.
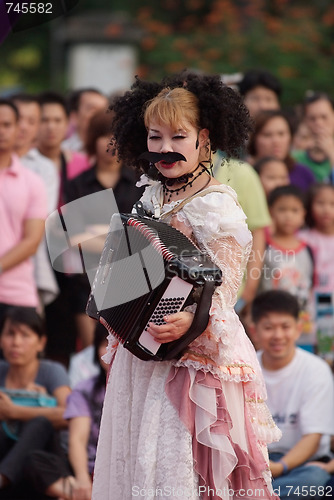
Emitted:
pixel 176 325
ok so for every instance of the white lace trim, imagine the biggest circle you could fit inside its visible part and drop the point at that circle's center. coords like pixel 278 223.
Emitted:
pixel 216 371
pixel 145 181
pixel 111 349
pixel 151 448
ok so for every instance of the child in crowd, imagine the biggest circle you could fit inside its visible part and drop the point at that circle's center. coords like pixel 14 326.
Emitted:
pixel 272 172
pixel 302 139
pixel 320 234
pixel 320 237
pixel 300 397
pixel 288 261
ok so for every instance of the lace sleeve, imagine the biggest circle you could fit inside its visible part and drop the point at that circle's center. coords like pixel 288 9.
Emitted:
pixel 228 254
pixel 219 227
pixel 220 230
pixel 218 348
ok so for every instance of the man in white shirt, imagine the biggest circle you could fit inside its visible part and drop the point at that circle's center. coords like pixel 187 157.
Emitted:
pixel 84 102
pixel 300 397
pixel 25 147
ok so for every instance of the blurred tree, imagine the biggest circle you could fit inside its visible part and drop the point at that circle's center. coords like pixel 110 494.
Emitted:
pixel 24 62
pixel 293 39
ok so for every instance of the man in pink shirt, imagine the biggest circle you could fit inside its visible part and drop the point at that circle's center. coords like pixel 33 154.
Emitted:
pixel 23 208
pixel 50 136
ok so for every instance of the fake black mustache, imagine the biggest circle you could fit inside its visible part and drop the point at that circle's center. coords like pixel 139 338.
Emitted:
pixel 165 157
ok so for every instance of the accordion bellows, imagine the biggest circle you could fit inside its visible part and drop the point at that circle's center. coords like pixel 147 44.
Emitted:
pixel 149 269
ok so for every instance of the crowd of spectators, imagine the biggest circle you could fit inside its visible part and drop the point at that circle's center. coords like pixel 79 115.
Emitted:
pixel 55 150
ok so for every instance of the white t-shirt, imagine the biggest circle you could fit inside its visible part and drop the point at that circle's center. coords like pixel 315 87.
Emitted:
pixel 44 275
pixel 301 400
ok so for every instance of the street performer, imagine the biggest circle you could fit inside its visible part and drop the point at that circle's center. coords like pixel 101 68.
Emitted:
pixel 197 426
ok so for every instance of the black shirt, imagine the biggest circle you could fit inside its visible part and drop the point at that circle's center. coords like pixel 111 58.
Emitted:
pixel 126 193
pixel 94 204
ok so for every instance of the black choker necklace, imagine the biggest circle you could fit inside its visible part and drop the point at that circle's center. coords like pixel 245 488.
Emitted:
pixel 186 179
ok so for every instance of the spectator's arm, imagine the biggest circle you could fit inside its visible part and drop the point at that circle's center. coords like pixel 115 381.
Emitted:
pixel 33 230
pixel 299 454
pixel 328 467
pixel 254 266
pixel 332 443
pixel 79 431
pixel 11 411
pixel 93 239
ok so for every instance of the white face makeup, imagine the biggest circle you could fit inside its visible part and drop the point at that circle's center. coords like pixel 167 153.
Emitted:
pixel 163 139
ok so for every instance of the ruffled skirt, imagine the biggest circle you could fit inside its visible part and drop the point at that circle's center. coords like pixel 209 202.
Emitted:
pixel 177 432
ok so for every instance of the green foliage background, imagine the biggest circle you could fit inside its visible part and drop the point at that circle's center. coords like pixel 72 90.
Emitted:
pixel 294 39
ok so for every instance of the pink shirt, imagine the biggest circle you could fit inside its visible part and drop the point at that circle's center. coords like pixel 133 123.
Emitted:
pixel 322 246
pixel 22 197
pixel 77 163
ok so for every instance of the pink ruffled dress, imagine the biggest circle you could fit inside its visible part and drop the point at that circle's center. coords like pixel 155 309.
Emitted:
pixel 197 427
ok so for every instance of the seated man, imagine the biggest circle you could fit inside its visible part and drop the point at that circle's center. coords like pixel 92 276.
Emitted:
pixel 300 397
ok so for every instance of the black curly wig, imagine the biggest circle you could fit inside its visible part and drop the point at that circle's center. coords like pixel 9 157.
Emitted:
pixel 221 111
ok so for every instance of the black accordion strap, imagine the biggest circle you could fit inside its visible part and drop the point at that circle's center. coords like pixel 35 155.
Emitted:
pixel 202 314
pixel 199 324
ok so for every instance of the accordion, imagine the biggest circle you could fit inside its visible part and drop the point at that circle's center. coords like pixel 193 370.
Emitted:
pixel 147 270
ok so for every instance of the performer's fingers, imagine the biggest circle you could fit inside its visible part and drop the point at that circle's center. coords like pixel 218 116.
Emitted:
pixel 165 333
pixel 179 316
pixel 157 329
pixel 167 337
pixel 171 318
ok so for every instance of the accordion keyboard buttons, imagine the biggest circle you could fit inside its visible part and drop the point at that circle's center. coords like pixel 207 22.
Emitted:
pixel 171 302
pixel 165 307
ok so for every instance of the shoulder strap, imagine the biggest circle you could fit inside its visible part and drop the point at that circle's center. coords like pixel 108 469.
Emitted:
pixel 211 189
